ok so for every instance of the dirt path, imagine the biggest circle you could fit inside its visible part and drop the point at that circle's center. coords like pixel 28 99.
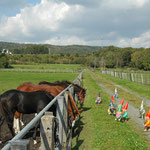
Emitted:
pixel 146 101
pixel 132 111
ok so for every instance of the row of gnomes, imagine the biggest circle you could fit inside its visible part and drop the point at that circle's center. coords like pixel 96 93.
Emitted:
pixel 111 107
pixel 98 99
pixel 122 113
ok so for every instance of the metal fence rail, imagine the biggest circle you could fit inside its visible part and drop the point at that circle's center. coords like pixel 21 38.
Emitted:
pixel 31 124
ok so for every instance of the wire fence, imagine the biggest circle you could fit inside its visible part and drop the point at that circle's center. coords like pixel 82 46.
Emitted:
pixel 133 77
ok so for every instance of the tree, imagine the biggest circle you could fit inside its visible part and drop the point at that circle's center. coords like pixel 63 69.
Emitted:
pixel 4 63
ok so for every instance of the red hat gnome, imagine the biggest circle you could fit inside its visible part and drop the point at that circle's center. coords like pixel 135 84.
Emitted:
pixel 122 101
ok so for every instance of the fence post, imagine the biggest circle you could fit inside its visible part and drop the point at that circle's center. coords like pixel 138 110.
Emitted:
pixel 20 145
pixel 71 90
pixel 142 78
pixel 59 114
pixel 47 131
pixel 132 77
pixel 146 79
pixel 65 115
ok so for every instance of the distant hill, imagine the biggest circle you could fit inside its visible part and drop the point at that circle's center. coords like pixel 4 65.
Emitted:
pixel 52 48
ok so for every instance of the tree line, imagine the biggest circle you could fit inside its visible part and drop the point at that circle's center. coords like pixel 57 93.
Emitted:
pixel 106 57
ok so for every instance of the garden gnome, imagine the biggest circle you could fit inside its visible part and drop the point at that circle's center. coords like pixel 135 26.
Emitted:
pixel 98 99
pixel 142 111
pixel 116 94
pixel 147 121
pixel 119 111
pixel 111 107
pixel 124 112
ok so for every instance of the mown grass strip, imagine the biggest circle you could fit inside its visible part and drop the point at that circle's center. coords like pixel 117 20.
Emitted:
pixel 97 130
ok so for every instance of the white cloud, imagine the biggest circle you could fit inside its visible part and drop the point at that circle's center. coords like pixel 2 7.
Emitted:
pixel 43 17
pixel 142 41
pixel 98 22
pixel 124 4
pixel 66 41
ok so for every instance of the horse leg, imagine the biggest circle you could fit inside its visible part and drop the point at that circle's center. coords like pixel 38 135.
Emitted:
pixel 21 119
pixel 9 120
pixel 16 125
pixel 35 132
pixel 1 122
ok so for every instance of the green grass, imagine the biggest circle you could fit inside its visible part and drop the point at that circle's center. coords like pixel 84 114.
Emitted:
pixel 138 88
pixel 11 80
pixel 97 130
pixel 50 66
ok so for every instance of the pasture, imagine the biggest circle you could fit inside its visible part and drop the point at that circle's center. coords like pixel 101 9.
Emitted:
pixel 138 88
pixel 98 130
pixel 11 80
pixel 95 129
pixel 49 66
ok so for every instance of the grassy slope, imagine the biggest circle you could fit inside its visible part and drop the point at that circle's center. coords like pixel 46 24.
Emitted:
pixel 100 130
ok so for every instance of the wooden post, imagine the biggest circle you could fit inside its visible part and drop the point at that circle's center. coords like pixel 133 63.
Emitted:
pixel 69 141
pixel 132 77
pixel 65 116
pixel 146 79
pixel 135 78
pixel 71 90
pixel 142 78
pixel 20 145
pixel 47 131
pixel 59 114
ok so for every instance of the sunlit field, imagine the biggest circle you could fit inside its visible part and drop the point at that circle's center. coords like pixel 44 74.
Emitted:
pixel 49 66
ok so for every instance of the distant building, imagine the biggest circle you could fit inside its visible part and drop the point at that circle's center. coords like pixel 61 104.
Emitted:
pixel 6 51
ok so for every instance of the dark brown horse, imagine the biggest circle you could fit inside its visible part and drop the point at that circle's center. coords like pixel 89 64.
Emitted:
pixel 81 92
pixel 23 102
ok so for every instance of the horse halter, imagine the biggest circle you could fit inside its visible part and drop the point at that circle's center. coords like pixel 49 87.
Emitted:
pixel 80 96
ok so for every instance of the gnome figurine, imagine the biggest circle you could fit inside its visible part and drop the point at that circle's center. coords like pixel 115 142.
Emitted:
pixel 98 99
pixel 124 112
pixel 147 121
pixel 142 111
pixel 116 94
pixel 111 107
pixel 119 111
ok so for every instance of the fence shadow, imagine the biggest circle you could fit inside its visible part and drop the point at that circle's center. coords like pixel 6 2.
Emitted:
pixel 77 129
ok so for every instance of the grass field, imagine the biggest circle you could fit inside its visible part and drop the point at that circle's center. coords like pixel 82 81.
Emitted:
pixel 97 130
pixel 138 88
pixel 49 66
pixel 11 80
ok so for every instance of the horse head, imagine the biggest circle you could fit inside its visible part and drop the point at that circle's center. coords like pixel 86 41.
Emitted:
pixel 82 95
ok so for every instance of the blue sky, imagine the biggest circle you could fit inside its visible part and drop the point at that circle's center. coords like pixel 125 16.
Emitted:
pixel 123 23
